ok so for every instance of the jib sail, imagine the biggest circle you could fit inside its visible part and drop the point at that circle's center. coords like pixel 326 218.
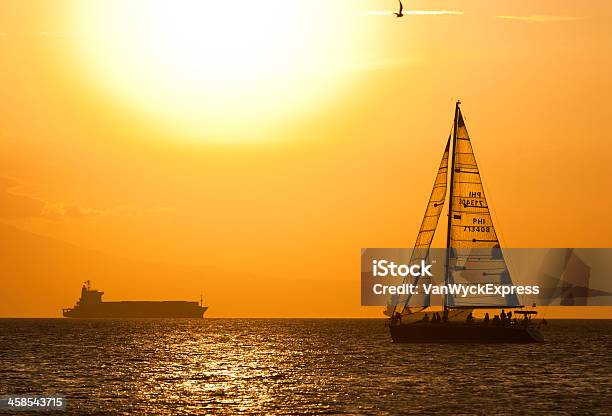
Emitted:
pixel 427 232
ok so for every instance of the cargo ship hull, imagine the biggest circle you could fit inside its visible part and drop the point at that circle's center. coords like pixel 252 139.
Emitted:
pixel 117 310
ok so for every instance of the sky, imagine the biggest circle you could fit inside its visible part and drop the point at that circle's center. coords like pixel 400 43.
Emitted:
pixel 274 141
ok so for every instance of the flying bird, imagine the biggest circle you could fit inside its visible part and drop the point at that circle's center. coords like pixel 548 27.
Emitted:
pixel 401 9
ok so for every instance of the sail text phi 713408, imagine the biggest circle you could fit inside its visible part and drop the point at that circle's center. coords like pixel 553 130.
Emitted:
pixel 474 256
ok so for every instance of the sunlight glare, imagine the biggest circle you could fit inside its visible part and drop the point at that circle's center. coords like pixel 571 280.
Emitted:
pixel 209 69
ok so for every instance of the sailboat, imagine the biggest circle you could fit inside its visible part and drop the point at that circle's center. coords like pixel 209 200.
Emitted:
pixel 473 256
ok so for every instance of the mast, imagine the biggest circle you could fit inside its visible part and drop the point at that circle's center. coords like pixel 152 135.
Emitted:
pixel 450 204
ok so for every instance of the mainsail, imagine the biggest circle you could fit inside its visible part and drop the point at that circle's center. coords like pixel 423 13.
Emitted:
pixel 474 253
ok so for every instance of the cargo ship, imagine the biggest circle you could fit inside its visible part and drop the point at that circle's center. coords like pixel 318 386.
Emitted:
pixel 90 305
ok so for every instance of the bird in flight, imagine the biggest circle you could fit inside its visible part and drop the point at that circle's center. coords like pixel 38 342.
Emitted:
pixel 401 9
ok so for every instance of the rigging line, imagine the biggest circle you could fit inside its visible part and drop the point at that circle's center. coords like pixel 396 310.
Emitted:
pixel 476 258
pixel 470 182
pixel 474 263
pixel 486 271
pixel 473 240
pixel 481 258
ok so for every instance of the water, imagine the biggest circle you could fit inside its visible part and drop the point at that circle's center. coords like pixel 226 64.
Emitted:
pixel 300 367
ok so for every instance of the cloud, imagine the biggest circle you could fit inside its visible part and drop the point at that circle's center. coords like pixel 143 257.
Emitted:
pixel 59 212
pixel 417 12
pixel 15 204
pixel 540 18
pixel 51 33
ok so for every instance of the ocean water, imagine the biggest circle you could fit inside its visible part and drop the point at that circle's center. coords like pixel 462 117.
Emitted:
pixel 250 366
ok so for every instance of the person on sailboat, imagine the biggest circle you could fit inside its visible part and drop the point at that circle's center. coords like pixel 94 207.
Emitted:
pixel 486 318
pixel 502 315
pixel 470 318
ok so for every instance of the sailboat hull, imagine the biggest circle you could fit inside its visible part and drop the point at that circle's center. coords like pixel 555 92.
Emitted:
pixel 453 333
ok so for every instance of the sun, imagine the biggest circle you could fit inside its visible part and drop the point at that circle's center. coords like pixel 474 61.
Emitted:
pixel 215 70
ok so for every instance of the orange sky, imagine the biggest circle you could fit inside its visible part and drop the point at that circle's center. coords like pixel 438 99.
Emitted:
pixel 328 170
